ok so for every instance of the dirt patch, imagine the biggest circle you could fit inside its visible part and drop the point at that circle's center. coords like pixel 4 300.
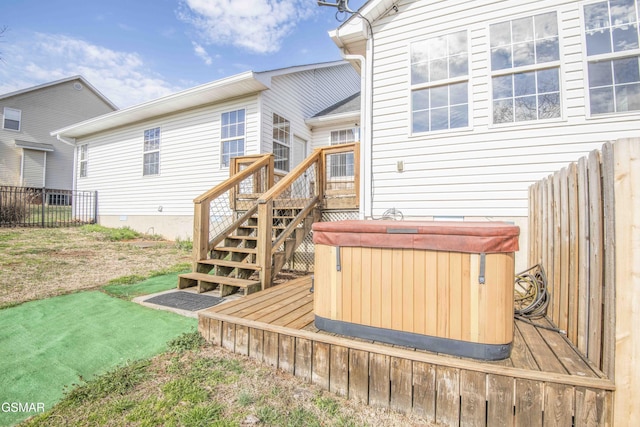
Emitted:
pixel 40 263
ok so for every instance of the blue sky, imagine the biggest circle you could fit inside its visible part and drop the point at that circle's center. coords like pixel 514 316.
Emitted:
pixel 137 50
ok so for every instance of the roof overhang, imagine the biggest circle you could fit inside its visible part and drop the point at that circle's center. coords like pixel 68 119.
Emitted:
pixel 210 93
pixel 352 35
pixel 331 119
pixel 37 146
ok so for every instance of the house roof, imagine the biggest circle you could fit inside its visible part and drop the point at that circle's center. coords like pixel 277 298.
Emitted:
pixel 82 80
pixel 348 108
pixel 230 87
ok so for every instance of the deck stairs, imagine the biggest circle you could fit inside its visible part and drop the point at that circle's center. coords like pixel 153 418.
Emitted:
pixel 247 228
pixel 233 265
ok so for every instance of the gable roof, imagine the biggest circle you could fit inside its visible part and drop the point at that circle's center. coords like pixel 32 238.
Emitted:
pixel 229 87
pixel 81 79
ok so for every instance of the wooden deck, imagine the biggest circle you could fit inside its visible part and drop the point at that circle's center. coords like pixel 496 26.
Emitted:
pixel 545 381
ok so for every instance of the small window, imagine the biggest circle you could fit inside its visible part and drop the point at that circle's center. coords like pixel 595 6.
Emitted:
pixel 342 164
pixel 281 142
pixel 525 69
pixel 232 135
pixel 83 160
pixel 151 158
pixel 12 118
pixel 613 55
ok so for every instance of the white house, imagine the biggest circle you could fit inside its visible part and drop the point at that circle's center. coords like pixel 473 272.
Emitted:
pixel 148 162
pixel 468 103
pixel 29 155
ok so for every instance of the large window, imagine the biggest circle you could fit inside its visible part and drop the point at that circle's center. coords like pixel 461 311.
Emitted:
pixel 613 52
pixel 525 69
pixel 232 135
pixel 439 83
pixel 151 158
pixel 281 142
pixel 82 160
pixel 12 119
pixel 342 164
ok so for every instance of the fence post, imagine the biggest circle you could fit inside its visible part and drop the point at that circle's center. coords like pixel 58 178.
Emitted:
pixel 44 197
pixel 95 207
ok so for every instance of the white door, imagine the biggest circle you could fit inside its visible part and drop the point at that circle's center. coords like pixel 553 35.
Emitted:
pixel 301 186
pixel 299 151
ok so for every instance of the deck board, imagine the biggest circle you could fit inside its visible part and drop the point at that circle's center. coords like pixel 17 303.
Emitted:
pixel 291 305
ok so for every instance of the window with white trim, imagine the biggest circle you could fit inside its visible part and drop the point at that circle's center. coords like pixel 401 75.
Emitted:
pixel 12 119
pixel 281 142
pixel 440 83
pixel 525 69
pixel 82 160
pixel 151 156
pixel 613 56
pixel 232 135
pixel 342 164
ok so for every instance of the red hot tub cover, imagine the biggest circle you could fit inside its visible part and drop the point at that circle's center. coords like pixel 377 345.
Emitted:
pixel 468 237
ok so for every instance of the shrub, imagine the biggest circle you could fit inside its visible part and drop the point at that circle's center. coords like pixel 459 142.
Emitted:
pixel 13 213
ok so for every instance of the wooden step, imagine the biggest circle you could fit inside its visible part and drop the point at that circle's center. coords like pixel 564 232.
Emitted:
pixel 236 249
pixel 232 264
pixel 206 282
pixel 236 237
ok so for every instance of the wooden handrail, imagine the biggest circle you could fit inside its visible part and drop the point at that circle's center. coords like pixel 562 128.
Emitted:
pixel 292 226
pixel 340 148
pixel 232 181
pixel 288 179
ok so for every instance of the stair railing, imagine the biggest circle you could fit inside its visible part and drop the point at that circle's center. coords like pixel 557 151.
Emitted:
pixel 329 177
pixel 222 209
pixel 301 189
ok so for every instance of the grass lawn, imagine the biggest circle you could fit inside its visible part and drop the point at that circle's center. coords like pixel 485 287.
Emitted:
pixel 55 343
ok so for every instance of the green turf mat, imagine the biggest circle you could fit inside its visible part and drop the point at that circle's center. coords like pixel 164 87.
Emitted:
pixel 146 287
pixel 49 344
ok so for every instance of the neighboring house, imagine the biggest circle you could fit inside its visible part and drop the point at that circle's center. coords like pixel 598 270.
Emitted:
pixel 468 103
pixel 29 155
pixel 148 162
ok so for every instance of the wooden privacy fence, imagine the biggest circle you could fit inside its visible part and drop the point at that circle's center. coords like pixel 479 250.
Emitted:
pixel 571 222
pixel 584 229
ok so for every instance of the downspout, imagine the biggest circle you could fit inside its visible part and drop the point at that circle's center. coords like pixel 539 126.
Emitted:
pixel 366 139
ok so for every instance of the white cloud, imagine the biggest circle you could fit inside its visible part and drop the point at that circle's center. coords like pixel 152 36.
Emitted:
pixel 120 76
pixel 255 25
pixel 202 53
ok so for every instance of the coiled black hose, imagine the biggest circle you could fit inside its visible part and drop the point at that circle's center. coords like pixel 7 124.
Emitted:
pixel 530 297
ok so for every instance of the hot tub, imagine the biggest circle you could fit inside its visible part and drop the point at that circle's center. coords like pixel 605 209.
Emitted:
pixel 446 287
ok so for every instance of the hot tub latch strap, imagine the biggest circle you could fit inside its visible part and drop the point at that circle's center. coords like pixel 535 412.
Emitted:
pixel 338 266
pixel 481 278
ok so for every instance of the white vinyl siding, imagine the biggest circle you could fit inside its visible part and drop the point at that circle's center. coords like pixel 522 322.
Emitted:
pixel 11 119
pixel 483 172
pixel 613 54
pixel 190 161
pixel 299 96
pixel 232 135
